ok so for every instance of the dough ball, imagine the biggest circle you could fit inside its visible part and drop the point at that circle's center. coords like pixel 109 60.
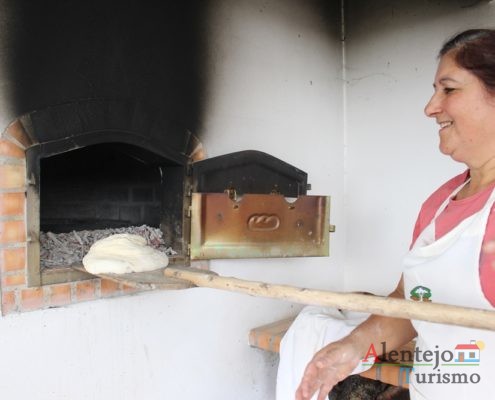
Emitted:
pixel 121 254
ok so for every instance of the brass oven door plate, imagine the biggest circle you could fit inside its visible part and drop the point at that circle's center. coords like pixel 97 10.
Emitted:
pixel 258 226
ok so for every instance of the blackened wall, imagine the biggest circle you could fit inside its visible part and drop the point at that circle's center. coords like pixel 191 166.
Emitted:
pixel 146 55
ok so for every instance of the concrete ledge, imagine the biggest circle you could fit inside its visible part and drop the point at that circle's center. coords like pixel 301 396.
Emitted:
pixel 268 337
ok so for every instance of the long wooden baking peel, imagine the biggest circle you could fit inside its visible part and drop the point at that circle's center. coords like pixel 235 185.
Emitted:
pixel 188 277
pixel 386 306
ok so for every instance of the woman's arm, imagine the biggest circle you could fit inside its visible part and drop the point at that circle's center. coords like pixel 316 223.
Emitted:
pixel 337 360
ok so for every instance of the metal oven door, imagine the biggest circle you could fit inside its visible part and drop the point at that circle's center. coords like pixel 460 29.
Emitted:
pixel 252 205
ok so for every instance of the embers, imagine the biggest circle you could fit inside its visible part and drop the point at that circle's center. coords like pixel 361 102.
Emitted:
pixel 65 249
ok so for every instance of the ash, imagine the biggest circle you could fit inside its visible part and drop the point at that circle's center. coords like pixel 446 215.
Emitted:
pixel 61 249
pixel 356 387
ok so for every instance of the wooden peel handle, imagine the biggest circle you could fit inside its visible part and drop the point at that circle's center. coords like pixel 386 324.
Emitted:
pixel 386 306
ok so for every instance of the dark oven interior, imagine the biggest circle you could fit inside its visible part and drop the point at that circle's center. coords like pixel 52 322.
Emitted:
pixel 110 188
pixel 98 187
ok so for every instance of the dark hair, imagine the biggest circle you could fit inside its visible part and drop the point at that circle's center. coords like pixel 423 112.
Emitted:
pixel 474 50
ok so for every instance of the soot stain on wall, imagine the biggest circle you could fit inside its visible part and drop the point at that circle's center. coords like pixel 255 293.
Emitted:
pixel 148 52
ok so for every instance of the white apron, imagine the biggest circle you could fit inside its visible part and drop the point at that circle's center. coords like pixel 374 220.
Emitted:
pixel 447 271
pixel 314 328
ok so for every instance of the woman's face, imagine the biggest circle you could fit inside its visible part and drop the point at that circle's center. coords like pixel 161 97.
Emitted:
pixel 465 112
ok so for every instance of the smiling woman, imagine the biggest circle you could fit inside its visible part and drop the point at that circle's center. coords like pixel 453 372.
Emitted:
pixel 453 224
pixel 463 107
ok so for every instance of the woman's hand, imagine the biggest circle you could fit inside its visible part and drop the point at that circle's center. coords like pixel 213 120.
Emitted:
pixel 336 361
pixel 328 367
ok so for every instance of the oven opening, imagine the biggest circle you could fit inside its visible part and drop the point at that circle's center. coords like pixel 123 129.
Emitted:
pixel 99 190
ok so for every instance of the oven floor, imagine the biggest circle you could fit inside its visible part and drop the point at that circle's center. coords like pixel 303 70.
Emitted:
pixel 144 280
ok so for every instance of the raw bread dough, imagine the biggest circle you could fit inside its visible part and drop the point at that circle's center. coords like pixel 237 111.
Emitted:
pixel 121 254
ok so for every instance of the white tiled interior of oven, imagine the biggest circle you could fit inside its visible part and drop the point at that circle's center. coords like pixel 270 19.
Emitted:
pixel 276 85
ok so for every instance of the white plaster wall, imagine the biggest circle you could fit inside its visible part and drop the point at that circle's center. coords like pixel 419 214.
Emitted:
pixel 275 86
pixel 163 345
pixel 393 162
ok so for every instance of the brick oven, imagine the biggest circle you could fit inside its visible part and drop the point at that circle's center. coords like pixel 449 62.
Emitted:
pixel 107 106
pixel 123 69
pixel 83 177
pixel 20 292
